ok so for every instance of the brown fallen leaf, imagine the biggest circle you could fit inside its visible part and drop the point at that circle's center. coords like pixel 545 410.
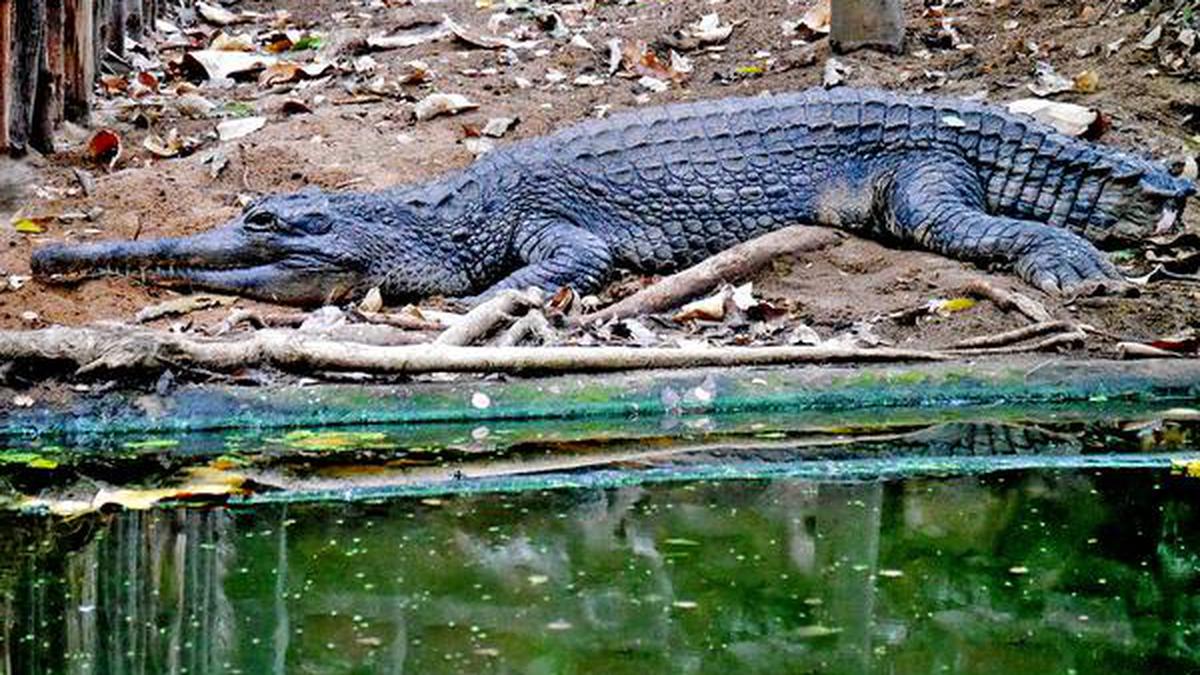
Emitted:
pixel 293 106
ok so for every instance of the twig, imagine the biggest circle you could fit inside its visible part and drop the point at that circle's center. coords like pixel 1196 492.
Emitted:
pixel 1016 335
pixel 727 266
pixel 1008 300
pixel 485 318
pixel 124 348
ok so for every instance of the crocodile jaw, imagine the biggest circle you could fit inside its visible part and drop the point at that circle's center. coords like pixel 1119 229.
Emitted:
pixel 224 260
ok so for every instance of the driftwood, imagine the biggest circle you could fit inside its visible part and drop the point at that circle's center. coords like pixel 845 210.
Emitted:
pixel 725 267
pixel 121 348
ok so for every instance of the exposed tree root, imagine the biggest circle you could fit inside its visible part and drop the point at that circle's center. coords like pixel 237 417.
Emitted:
pixel 121 348
pixel 1072 337
pixel 487 317
pixel 1013 336
pixel 725 267
pixel 533 325
pixel 1009 300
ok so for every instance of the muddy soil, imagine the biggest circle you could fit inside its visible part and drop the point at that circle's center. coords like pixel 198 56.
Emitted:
pixel 374 144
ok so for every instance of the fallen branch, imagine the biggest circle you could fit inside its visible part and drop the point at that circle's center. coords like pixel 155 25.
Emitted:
pixel 1016 335
pixel 485 318
pixel 1008 300
pixel 122 348
pixel 726 267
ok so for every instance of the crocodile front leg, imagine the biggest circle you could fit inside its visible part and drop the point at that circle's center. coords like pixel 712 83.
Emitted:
pixel 556 254
pixel 939 204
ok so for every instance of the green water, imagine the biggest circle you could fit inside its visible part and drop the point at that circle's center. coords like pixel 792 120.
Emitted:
pixel 1032 571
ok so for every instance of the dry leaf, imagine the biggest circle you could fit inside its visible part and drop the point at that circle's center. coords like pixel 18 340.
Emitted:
pixel 409 38
pixel 372 302
pixel 815 22
pixel 498 126
pixel 486 41
pixel 166 148
pixel 1067 118
pixel 834 74
pixel 1151 39
pixel 237 128
pixel 214 64
pixel 104 147
pixel 215 15
pixel 294 106
pixel 1048 82
pixel 232 43
pixel 280 73
pixel 1087 82
pixel 442 104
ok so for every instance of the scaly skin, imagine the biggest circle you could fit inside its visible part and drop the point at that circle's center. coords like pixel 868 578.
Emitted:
pixel 662 188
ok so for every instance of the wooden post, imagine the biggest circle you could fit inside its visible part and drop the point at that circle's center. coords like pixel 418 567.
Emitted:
pixel 134 21
pixel 5 71
pixel 874 24
pixel 48 107
pixel 28 30
pixel 149 16
pixel 79 58
pixel 116 27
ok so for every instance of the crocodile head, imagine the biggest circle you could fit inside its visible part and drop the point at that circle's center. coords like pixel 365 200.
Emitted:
pixel 1140 200
pixel 305 248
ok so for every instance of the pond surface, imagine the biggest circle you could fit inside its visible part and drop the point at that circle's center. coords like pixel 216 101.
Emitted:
pixel 1024 571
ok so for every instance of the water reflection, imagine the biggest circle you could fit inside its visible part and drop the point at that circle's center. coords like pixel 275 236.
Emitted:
pixel 1018 572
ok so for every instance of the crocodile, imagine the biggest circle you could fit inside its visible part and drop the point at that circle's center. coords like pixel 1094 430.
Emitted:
pixel 661 188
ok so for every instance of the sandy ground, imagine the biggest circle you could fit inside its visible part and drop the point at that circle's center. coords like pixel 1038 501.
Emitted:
pixel 378 144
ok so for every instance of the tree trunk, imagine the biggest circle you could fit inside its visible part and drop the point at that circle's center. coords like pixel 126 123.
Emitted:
pixel 79 59
pixel 874 24
pixel 6 69
pixel 48 109
pixel 116 27
pixel 27 35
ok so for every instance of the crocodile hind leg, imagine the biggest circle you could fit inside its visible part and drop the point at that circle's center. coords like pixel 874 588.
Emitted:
pixel 939 204
pixel 556 254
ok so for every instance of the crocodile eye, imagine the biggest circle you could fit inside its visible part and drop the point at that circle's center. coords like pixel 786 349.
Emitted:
pixel 260 221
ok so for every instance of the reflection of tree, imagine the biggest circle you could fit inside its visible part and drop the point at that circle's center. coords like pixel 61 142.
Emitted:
pixel 144 596
pixel 755 576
